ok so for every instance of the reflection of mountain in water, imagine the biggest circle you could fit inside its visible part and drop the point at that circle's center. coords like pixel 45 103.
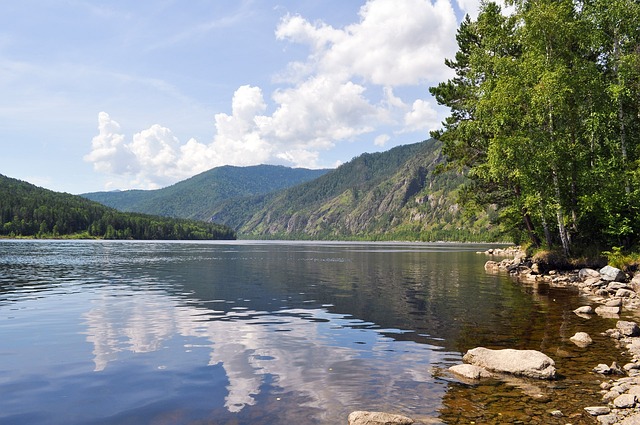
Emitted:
pixel 313 352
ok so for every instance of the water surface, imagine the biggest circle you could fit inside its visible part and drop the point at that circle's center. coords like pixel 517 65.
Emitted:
pixel 241 332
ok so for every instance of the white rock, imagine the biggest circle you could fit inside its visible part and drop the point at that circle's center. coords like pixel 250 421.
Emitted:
pixel 597 410
pixel 627 328
pixel 529 363
pixel 585 309
pixel 607 311
pixel 581 339
pixel 612 273
pixel 625 401
pixel 378 418
pixel 470 371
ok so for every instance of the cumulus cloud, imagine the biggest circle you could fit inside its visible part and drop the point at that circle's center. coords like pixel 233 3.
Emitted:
pixel 396 42
pixel 343 90
pixel 422 116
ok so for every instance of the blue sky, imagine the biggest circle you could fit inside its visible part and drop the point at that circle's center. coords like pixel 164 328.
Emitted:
pixel 103 95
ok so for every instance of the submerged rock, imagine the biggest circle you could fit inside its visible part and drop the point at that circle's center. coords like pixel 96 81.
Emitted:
pixel 581 339
pixel 529 363
pixel 470 371
pixel 378 418
pixel 585 309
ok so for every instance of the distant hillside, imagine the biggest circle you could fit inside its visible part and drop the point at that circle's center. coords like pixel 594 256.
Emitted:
pixel 30 211
pixel 197 196
pixel 393 195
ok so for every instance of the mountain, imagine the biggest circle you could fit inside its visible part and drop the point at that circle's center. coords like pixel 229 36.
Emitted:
pixel 30 211
pixel 199 195
pixel 393 195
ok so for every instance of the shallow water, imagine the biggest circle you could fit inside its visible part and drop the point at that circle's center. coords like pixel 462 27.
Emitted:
pixel 240 332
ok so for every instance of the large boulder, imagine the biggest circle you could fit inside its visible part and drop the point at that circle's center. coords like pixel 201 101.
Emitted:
pixel 378 418
pixel 612 273
pixel 528 363
pixel 627 328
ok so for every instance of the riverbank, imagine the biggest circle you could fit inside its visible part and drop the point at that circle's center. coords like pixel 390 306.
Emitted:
pixel 611 294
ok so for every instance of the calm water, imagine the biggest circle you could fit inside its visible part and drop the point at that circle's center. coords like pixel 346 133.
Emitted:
pixel 97 332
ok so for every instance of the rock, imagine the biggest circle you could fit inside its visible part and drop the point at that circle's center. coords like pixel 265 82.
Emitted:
pixel 377 418
pixel 470 371
pixel 609 419
pixel 612 274
pixel 581 339
pixel 585 309
pixel 628 328
pixel 593 281
pixel 529 363
pixel 585 273
pixel 602 369
pixel 556 413
pixel 625 293
pixel 491 265
pixel 635 282
pixel 607 311
pixel 625 401
pixel 615 302
pixel 597 410
pixel 614 286
pixel 631 420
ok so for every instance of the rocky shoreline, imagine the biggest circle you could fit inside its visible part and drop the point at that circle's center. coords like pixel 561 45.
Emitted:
pixel 610 293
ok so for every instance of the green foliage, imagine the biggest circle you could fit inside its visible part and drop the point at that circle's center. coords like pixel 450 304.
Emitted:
pixel 545 114
pixel 393 195
pixel 30 211
pixel 624 261
pixel 199 195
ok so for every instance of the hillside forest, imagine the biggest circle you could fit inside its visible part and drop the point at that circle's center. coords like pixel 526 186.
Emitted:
pixel 29 211
pixel 545 116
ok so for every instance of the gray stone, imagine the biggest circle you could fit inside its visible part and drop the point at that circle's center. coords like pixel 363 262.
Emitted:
pixel 581 339
pixel 615 302
pixel 628 328
pixel 607 311
pixel 635 282
pixel 585 273
pixel 597 410
pixel 609 419
pixel 529 363
pixel 585 309
pixel 470 371
pixel 612 273
pixel 614 286
pixel 378 418
pixel 631 420
pixel 625 401
pixel 625 293
pixel 593 281
pixel 602 369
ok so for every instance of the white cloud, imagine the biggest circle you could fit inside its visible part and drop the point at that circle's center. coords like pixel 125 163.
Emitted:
pixel 109 154
pixel 421 117
pixel 396 42
pixel 381 140
pixel 344 89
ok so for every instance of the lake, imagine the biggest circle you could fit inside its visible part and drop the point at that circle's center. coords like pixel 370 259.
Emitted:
pixel 245 332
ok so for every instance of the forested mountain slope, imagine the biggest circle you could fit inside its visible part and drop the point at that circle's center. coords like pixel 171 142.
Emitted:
pixel 197 196
pixel 390 195
pixel 30 211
